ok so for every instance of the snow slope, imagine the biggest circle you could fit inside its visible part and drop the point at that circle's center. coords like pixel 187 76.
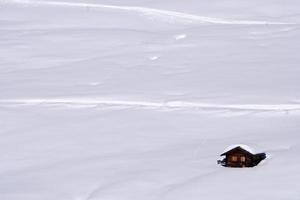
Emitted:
pixel 136 99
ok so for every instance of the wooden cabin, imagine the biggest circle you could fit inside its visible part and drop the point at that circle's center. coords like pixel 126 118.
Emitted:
pixel 241 156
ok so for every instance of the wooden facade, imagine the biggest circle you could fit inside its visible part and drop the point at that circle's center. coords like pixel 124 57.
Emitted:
pixel 240 157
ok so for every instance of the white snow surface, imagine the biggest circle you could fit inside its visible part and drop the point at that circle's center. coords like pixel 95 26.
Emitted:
pixel 136 99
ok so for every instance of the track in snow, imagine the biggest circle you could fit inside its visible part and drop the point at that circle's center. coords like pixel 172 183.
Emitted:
pixel 149 104
pixel 165 15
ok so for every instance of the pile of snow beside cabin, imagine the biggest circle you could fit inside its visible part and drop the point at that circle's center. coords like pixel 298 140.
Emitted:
pixel 128 148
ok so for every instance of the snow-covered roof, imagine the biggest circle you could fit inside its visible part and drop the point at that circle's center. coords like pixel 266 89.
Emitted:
pixel 243 146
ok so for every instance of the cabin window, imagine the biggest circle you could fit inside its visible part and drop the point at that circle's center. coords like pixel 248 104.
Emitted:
pixel 243 159
pixel 234 158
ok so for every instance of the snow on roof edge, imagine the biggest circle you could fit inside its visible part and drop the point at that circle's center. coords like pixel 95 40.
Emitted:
pixel 247 148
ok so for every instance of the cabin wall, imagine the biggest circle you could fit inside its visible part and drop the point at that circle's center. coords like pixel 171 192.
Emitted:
pixel 239 160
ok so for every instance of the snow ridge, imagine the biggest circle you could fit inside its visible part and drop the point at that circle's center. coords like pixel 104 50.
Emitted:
pixel 152 104
pixel 165 15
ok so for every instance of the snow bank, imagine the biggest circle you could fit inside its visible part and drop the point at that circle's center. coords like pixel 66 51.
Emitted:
pixel 102 99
